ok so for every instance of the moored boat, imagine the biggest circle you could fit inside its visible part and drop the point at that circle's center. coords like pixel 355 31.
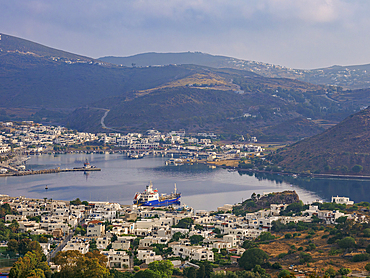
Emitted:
pixel 151 198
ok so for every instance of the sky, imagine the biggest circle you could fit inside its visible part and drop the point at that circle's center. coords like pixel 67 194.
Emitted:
pixel 301 34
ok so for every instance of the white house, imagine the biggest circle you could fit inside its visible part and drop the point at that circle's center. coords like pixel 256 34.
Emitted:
pixel 342 200
pixel 117 259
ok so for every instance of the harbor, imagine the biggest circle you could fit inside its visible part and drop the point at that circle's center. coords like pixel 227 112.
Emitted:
pixel 120 178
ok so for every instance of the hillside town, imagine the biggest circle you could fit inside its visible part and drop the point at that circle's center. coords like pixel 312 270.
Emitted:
pixel 131 235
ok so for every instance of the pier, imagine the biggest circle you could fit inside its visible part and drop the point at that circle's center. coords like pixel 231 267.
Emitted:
pixel 48 171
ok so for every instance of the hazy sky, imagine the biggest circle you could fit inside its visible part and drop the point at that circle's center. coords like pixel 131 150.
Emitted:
pixel 292 33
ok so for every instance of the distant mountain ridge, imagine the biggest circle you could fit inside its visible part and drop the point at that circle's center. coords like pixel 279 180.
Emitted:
pixel 350 77
pixel 11 44
pixel 45 84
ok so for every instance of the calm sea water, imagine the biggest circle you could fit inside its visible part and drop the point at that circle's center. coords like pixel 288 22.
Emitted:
pixel 201 186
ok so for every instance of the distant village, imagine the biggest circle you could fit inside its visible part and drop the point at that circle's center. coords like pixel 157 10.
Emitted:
pixel 25 138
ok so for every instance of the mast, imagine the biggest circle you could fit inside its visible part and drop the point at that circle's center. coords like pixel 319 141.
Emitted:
pixel 175 189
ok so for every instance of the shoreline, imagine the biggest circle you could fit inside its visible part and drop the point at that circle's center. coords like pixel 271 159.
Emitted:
pixel 327 176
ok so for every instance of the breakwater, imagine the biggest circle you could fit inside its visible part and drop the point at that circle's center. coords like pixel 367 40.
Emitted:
pixel 48 171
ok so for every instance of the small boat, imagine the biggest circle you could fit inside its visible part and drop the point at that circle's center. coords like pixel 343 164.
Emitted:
pixel 86 166
pixel 136 156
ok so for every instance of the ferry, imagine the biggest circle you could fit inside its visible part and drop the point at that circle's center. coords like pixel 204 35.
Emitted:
pixel 151 198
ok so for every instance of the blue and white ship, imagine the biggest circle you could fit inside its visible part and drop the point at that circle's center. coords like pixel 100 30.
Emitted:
pixel 151 198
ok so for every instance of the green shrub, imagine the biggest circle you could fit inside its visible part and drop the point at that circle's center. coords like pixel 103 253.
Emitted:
pixel 305 257
pixel 253 257
pixel 282 255
pixel 361 257
pixel 347 242
pixel 284 273
pixel 367 267
pixel 276 265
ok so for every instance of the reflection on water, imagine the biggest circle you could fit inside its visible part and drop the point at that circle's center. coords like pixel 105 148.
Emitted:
pixel 201 187
pixel 358 190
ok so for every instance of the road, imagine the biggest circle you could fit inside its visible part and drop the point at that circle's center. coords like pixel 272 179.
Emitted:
pixel 103 118
pixel 59 247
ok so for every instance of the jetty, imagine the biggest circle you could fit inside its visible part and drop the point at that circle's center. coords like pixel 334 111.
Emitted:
pixel 48 171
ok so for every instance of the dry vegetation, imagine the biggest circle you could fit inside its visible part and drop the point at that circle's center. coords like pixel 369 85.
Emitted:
pixel 322 260
pixel 228 163
pixel 199 81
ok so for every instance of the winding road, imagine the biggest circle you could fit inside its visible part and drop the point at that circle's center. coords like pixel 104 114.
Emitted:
pixel 103 118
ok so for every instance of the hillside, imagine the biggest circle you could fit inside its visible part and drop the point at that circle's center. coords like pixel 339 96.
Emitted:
pixel 12 45
pixel 198 109
pixel 44 84
pixel 350 77
pixel 290 130
pixel 337 150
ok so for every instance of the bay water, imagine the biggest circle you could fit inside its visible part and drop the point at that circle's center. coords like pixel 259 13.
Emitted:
pixel 202 187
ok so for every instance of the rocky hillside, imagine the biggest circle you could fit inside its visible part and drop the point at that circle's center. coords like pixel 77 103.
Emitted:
pixel 256 203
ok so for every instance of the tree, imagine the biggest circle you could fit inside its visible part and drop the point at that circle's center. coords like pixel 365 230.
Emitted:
pixel 276 265
pixel 367 267
pixel 247 244
pixel 190 272
pixel 341 219
pixel 26 245
pixel 14 226
pixel 217 231
pixel 185 223
pixel 75 264
pixel 201 272
pixel 114 273
pixel 285 273
pixel 344 271
pixel 288 236
pixel 305 257
pixel 147 274
pixel 253 257
pixel 357 168
pixel 31 265
pixel 76 202
pixel 163 268
pixel 347 242
pixel 195 239
pixel 93 245
pixel 265 236
pixel 12 246
pixel 330 272
pixel 367 232
pixel 176 236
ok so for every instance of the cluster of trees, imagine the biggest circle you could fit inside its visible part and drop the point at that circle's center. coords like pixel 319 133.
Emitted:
pixel 6 209
pixel 23 246
pixel 33 264
pixel 205 270
pixel 78 202
pixel 74 264
pixel 185 223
